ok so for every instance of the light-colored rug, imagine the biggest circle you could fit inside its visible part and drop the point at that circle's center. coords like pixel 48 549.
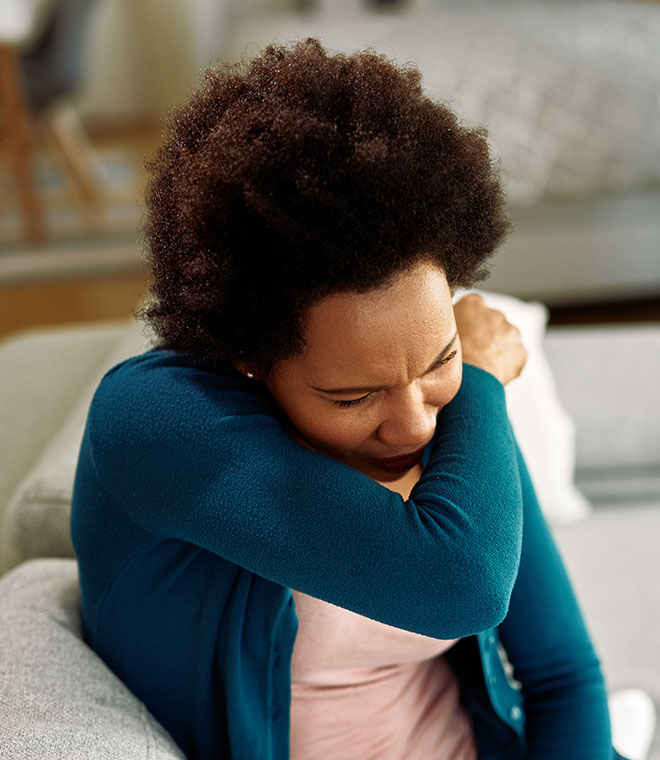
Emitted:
pixel 78 243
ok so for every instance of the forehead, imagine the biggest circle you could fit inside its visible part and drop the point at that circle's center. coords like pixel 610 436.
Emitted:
pixel 398 328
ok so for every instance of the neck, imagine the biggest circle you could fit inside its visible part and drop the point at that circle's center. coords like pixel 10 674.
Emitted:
pixel 405 483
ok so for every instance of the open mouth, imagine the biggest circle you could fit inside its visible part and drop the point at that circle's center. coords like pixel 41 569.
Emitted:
pixel 400 464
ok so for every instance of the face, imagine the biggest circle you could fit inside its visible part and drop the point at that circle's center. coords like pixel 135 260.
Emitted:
pixel 377 369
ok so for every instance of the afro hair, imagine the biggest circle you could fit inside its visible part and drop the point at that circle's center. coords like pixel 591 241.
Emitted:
pixel 298 174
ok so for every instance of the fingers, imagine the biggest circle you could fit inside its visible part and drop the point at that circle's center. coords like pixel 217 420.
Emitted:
pixel 488 339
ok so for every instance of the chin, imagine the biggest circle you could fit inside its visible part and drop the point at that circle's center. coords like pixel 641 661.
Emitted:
pixel 388 477
pixel 374 472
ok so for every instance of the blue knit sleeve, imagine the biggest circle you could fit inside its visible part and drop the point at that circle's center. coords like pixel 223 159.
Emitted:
pixel 190 455
pixel 550 649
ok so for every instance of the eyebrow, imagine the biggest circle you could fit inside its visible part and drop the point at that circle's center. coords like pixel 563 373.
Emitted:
pixel 371 389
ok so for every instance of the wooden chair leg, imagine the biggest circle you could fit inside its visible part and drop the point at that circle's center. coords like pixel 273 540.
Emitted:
pixel 78 155
pixel 18 143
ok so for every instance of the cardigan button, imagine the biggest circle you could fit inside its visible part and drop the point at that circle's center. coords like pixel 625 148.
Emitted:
pixel 515 713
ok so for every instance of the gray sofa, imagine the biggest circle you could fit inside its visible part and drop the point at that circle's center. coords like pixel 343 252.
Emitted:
pixel 59 700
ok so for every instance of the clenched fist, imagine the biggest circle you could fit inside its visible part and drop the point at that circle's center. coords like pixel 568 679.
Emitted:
pixel 488 340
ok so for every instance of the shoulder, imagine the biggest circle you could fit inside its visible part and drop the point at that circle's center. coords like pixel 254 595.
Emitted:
pixel 161 394
pixel 169 377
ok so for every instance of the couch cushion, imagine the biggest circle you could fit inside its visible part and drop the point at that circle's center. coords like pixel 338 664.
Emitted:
pixel 608 376
pixel 36 519
pixel 612 560
pixel 42 373
pixel 608 379
pixel 58 698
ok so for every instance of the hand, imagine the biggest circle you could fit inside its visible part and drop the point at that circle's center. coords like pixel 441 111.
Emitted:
pixel 488 340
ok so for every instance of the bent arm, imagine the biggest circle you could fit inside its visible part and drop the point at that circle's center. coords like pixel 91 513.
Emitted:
pixel 550 649
pixel 191 457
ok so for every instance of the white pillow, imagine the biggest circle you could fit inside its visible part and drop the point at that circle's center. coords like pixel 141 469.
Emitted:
pixel 545 432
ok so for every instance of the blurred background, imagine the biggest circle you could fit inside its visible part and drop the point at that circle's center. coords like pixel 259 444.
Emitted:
pixel 569 91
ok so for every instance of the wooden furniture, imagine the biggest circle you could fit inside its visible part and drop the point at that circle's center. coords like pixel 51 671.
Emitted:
pixel 16 142
pixel 40 46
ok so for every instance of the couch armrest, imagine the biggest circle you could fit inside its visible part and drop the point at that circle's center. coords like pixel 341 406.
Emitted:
pixel 42 373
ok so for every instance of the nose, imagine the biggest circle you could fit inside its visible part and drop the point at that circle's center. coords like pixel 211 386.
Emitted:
pixel 409 421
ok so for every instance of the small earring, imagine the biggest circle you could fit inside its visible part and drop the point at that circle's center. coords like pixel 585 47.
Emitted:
pixel 249 376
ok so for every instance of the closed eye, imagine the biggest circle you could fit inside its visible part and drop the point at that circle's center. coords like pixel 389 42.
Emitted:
pixel 443 361
pixel 351 402
pixel 356 401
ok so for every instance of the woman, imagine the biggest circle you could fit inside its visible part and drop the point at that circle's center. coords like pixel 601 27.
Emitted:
pixel 303 523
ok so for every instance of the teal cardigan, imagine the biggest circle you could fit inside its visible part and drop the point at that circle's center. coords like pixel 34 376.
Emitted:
pixel 195 513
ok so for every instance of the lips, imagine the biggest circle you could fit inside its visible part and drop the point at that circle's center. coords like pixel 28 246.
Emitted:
pixel 400 464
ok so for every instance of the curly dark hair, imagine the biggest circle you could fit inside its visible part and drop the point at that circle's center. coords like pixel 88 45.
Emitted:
pixel 298 174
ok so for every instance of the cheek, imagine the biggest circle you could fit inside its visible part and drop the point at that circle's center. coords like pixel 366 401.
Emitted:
pixel 336 428
pixel 321 424
pixel 443 389
pixel 455 380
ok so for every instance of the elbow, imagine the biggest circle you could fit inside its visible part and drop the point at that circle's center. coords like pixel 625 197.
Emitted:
pixel 496 575
pixel 495 608
pixel 475 604
pixel 492 597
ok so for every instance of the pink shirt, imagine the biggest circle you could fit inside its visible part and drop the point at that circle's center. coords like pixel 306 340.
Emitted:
pixel 363 690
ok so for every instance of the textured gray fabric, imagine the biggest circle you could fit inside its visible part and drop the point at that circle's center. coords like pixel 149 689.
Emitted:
pixel 58 699
pixel 567 90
